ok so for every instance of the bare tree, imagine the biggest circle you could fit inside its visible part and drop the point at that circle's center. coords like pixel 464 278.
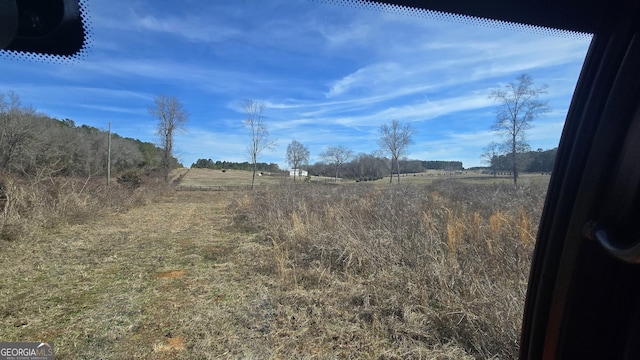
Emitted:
pixel 16 131
pixel 395 139
pixel 258 132
pixel 297 154
pixel 489 156
pixel 336 155
pixel 171 117
pixel 519 107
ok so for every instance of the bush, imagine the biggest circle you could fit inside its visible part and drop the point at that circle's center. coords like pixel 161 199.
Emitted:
pixel 130 179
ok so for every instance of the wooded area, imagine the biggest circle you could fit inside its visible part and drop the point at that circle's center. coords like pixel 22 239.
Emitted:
pixel 33 143
pixel 53 171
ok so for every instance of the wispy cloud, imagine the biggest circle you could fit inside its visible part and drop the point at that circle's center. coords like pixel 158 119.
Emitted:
pixel 328 75
pixel 190 27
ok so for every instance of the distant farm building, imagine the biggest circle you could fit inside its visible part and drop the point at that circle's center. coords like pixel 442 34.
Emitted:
pixel 298 173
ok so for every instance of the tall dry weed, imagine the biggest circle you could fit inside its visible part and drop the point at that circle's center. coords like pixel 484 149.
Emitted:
pixel 36 202
pixel 455 232
pixel 423 266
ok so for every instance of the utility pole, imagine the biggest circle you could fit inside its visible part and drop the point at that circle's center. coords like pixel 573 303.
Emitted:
pixel 109 156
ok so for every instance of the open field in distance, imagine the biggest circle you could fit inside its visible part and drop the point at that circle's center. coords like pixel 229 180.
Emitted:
pixel 235 178
pixel 230 178
pixel 470 177
pixel 208 177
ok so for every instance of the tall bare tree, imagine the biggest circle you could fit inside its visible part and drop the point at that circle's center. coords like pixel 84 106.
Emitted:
pixel 16 131
pixel 297 155
pixel 395 138
pixel 258 132
pixel 336 155
pixel 171 117
pixel 519 105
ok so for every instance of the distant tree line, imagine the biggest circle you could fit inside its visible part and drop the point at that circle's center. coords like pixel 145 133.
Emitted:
pixel 230 165
pixel 442 165
pixel 369 167
pixel 531 161
pixel 34 143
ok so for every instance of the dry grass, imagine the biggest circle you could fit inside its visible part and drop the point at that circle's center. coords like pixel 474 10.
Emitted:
pixel 400 272
pixel 424 272
pixel 30 203
pixel 209 177
pixel 170 280
pixel 468 177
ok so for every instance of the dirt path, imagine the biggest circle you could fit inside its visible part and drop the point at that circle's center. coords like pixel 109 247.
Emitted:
pixel 171 279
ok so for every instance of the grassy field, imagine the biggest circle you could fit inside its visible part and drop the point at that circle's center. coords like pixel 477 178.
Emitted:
pixel 422 271
pixel 468 177
pixel 230 178
pixel 209 177
pixel 408 271
pixel 170 280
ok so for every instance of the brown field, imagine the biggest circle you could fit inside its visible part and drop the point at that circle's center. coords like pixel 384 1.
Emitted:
pixel 469 177
pixel 209 177
pixel 417 271
pixel 406 271
pixel 240 178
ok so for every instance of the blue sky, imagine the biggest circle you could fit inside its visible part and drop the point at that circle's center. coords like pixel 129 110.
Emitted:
pixel 328 75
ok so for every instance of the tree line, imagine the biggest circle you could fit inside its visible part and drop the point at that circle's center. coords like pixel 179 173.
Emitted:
pixel 369 167
pixel 530 161
pixel 231 165
pixel 32 143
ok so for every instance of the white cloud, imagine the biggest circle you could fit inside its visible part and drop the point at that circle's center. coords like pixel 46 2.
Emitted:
pixel 340 35
pixel 190 27
pixel 368 77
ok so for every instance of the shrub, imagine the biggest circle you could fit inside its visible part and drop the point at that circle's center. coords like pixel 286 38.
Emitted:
pixel 130 179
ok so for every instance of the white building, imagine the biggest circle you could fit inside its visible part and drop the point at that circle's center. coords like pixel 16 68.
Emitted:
pixel 298 173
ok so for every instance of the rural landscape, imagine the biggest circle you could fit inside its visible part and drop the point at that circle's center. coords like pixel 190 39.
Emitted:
pixel 356 256
pixel 282 179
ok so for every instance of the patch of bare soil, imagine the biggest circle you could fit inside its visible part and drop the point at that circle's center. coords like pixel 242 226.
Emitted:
pixel 170 274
